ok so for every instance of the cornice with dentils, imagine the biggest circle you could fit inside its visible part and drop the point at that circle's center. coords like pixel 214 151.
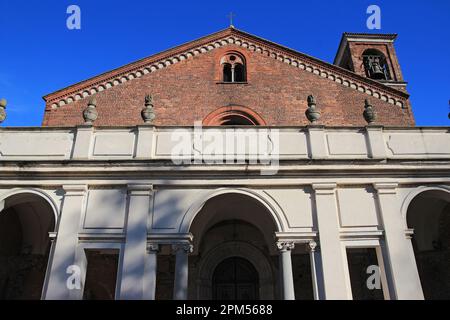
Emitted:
pixel 222 38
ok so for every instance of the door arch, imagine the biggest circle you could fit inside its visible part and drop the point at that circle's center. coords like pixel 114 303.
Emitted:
pixel 233 249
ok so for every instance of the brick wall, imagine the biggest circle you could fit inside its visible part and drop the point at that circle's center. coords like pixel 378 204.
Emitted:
pixel 189 90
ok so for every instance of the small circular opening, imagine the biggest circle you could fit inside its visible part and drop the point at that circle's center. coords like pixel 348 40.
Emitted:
pixel 232 58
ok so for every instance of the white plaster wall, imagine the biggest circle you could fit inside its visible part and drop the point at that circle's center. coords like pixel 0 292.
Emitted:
pixel 357 206
pixel 296 205
pixel 411 143
pixel 29 145
pixel 105 209
pixel 114 143
pixel 346 143
pixel 170 206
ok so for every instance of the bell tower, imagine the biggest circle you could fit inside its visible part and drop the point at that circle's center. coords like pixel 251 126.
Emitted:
pixel 372 56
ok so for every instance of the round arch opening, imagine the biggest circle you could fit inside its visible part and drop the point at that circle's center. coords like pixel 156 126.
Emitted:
pixel 233 233
pixel 26 219
pixel 428 214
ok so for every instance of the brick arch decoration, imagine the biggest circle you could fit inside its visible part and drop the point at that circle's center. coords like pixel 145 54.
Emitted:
pixel 219 116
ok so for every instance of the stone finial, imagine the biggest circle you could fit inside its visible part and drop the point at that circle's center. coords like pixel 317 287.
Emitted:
pixel 148 113
pixel 312 113
pixel 90 114
pixel 369 114
pixel 3 104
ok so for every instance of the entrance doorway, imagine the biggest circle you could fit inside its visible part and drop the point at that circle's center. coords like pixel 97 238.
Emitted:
pixel 235 278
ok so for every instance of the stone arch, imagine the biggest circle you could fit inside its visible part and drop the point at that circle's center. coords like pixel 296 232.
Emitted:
pixel 428 214
pixel 414 193
pixel 27 217
pixel 38 192
pixel 271 206
pixel 234 249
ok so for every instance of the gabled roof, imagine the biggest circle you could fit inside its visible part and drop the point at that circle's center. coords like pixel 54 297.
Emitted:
pixel 222 38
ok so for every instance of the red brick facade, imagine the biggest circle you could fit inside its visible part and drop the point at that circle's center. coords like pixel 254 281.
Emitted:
pixel 192 89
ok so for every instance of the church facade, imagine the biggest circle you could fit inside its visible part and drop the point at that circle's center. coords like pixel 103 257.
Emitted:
pixel 229 167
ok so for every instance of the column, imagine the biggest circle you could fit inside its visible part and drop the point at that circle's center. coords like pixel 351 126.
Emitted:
pixel 134 258
pixel 316 272
pixel 286 270
pixel 334 279
pixel 180 291
pixel 150 271
pixel 66 243
pixel 404 278
pixel 52 237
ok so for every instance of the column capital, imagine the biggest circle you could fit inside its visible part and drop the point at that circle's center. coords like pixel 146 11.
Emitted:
pixel 75 189
pixel 285 245
pixel 140 189
pixel 312 246
pixel 153 248
pixel 386 187
pixel 186 247
pixel 52 235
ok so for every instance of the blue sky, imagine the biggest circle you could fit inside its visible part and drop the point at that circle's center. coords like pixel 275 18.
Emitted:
pixel 40 55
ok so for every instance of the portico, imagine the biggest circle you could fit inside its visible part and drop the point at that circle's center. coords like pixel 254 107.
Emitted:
pixel 213 232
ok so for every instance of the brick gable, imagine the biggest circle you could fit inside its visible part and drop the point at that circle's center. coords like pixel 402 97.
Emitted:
pixel 190 89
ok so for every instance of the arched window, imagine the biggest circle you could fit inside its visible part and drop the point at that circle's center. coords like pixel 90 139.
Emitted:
pixel 376 65
pixel 233 66
pixel 227 72
pixel 239 73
